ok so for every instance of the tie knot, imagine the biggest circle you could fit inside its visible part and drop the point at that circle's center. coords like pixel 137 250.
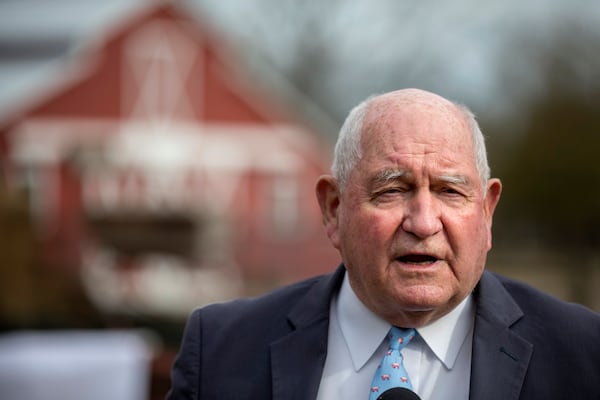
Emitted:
pixel 400 337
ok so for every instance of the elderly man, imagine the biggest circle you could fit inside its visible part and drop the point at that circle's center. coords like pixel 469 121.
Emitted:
pixel 409 208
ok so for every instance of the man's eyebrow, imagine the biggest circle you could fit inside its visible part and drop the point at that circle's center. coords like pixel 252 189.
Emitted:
pixel 388 175
pixel 455 179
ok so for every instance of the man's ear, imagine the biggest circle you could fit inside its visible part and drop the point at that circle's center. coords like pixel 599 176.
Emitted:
pixel 328 195
pixel 492 197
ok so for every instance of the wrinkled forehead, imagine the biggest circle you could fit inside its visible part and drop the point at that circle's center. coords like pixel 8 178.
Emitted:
pixel 415 112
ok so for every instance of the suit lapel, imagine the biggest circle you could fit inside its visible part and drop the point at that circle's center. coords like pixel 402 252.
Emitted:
pixel 500 356
pixel 499 361
pixel 297 360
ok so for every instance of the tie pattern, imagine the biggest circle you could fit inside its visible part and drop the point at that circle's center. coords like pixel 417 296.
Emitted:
pixel 391 372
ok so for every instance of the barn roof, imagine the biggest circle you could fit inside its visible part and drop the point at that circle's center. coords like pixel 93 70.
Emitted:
pixel 55 62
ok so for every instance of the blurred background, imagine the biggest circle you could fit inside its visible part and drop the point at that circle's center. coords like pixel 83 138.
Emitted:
pixel 157 156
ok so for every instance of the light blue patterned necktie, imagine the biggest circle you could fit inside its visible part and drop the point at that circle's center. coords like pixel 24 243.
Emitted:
pixel 391 372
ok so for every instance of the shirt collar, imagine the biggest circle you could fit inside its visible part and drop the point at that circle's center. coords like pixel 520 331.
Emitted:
pixel 446 335
pixel 364 331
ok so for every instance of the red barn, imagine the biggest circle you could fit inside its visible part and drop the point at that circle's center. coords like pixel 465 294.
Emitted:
pixel 164 175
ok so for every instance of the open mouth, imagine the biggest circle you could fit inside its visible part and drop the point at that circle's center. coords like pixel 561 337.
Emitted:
pixel 417 259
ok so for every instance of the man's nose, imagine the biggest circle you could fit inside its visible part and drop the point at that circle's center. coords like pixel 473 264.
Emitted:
pixel 422 215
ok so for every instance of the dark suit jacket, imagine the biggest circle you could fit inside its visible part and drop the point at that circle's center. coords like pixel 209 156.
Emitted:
pixel 526 345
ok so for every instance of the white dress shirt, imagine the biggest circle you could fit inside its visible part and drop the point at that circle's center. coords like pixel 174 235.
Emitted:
pixel 438 359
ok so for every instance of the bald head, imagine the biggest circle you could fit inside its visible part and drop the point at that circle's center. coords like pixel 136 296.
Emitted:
pixel 408 97
pixel 368 116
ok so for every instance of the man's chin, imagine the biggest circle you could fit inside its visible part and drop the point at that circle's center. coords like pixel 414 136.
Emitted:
pixel 423 299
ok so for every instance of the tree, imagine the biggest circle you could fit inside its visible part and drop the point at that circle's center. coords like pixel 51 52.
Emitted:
pixel 553 173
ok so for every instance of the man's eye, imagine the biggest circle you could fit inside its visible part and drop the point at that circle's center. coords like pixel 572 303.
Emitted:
pixel 389 193
pixel 393 190
pixel 451 192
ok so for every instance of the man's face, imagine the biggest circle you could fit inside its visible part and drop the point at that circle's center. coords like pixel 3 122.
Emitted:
pixel 413 224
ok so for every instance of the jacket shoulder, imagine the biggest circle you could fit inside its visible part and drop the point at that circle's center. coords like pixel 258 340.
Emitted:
pixel 272 305
pixel 548 320
pixel 564 338
pixel 243 329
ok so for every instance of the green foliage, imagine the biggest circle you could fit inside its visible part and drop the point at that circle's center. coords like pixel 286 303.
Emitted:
pixel 554 174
